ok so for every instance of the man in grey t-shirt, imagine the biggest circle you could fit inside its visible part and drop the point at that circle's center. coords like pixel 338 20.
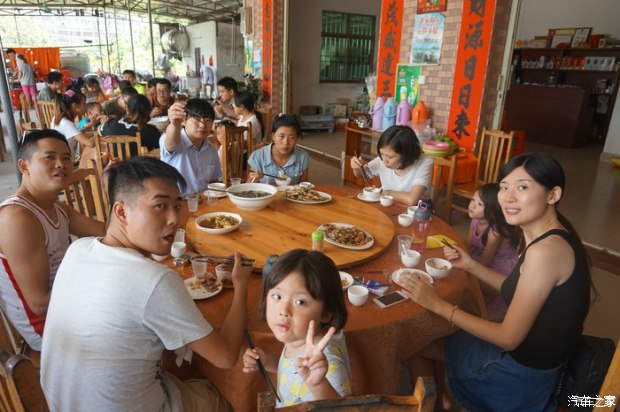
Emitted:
pixel 54 86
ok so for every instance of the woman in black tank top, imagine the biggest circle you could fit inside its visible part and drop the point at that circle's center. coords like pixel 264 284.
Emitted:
pixel 515 364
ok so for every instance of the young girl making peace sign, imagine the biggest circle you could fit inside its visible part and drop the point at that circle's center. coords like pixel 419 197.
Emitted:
pixel 304 308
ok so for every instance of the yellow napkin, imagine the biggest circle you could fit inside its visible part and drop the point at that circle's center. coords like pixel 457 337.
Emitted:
pixel 435 241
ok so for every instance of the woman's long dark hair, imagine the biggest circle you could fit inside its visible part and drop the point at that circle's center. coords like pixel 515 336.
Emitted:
pixel 63 104
pixel 138 110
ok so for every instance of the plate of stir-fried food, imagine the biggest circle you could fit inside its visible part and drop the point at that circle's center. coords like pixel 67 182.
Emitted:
pixel 202 288
pixel 304 195
pixel 347 236
pixel 217 223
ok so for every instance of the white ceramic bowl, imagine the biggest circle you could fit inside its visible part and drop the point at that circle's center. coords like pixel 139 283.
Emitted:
pixel 411 259
pixel 358 295
pixel 248 203
pixel 159 258
pixel 224 274
pixel 386 200
pixel 283 182
pixel 159 121
pixel 438 268
pixel 306 185
pixel 346 280
pixel 220 231
pixel 372 193
pixel 405 220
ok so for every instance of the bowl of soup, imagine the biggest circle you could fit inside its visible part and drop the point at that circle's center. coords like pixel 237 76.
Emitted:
pixel 252 196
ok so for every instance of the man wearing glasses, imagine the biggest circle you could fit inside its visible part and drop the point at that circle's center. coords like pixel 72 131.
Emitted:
pixel 163 98
pixel 184 145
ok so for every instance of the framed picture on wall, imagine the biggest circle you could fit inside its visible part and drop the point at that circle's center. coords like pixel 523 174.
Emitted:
pixel 561 41
pixel 559 32
pixel 431 6
pixel 581 36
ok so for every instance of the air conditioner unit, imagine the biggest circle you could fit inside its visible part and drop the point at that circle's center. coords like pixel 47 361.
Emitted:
pixel 245 25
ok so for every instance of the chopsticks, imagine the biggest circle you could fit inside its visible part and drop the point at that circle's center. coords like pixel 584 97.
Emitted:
pixel 363 171
pixel 230 259
pixel 445 242
pixel 261 368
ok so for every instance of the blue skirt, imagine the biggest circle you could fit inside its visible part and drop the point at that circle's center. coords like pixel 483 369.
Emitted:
pixel 484 377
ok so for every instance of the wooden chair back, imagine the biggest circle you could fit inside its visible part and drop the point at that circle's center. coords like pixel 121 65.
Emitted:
pixel 443 166
pixel 422 400
pixel 267 114
pixel 611 384
pixel 119 146
pixel 494 149
pixel 26 126
pixel 20 390
pixel 85 194
pixel 45 113
pixel 25 108
pixel 233 146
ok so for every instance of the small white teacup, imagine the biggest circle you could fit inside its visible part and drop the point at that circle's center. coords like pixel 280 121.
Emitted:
pixel 411 210
pixel 306 185
pixel 358 295
pixel 386 200
pixel 405 220
pixel 372 193
pixel 178 249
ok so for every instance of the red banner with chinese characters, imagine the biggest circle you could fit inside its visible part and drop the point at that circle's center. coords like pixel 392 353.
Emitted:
pixel 470 72
pixel 389 46
pixel 267 46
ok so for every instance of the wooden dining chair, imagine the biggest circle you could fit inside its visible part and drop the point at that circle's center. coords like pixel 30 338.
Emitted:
pixel 267 114
pixel 422 400
pixel 20 390
pixel 84 193
pixel 45 113
pixel 115 146
pixel 494 149
pixel 611 384
pixel 444 165
pixel 25 108
pixel 234 145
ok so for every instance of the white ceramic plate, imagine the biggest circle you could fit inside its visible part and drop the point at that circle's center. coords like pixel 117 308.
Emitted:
pixel 213 193
pixel 361 196
pixel 396 275
pixel 326 198
pixel 346 280
pixel 218 231
pixel 200 292
pixel 366 245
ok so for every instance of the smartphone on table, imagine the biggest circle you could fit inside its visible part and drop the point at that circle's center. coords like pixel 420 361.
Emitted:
pixel 390 299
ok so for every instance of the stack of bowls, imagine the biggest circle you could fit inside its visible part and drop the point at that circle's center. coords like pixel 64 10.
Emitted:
pixel 433 148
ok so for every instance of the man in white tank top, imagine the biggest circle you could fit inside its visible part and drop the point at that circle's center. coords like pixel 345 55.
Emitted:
pixel 34 232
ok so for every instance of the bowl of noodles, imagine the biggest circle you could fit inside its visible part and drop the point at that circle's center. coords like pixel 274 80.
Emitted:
pixel 218 223
pixel 252 196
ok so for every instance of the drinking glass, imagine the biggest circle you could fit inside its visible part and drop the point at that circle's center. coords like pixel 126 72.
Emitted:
pixel 235 181
pixel 199 266
pixel 403 240
pixel 192 203
pixel 180 235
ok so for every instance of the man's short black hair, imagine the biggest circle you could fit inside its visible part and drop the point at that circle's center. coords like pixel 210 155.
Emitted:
pixel 228 83
pixel 126 179
pixel 162 80
pixel 199 108
pixel 54 77
pixel 9 50
pixel 151 82
pixel 129 71
pixel 29 143
pixel 128 91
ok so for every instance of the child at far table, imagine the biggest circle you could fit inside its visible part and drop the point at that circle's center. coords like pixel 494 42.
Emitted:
pixel 304 307
pixel 94 117
pixel 491 241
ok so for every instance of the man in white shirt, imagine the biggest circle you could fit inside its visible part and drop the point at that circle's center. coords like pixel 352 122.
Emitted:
pixel 114 310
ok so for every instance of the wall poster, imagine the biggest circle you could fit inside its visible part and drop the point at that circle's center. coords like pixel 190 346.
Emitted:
pixel 427 39
pixel 431 6
pixel 407 84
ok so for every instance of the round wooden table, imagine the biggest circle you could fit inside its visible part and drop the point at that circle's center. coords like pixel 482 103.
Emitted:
pixel 286 225
pixel 378 340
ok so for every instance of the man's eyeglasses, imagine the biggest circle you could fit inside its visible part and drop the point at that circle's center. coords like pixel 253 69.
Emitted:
pixel 205 121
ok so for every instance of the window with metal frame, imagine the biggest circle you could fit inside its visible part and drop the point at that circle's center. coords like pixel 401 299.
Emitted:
pixel 347 46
